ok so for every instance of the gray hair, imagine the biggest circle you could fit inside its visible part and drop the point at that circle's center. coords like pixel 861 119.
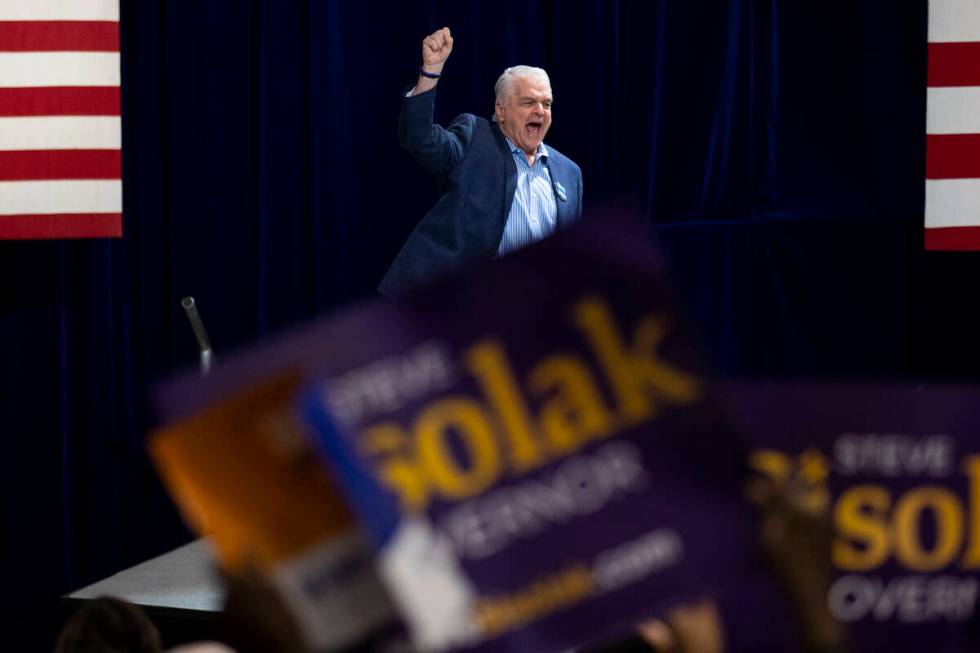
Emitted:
pixel 506 80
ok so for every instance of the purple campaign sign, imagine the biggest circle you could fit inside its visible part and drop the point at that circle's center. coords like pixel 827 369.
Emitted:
pixel 899 468
pixel 536 449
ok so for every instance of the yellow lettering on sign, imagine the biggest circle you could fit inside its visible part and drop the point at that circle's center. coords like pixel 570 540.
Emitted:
pixel 861 520
pixel 574 411
pixel 467 419
pixel 971 557
pixel 488 363
pixel 949 528
pixel 636 374
pixel 399 470
pixel 459 446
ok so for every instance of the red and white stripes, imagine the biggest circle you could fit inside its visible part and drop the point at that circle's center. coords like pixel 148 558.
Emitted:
pixel 60 130
pixel 952 212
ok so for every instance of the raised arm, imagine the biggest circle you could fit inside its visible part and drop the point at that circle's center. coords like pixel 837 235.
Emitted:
pixel 437 149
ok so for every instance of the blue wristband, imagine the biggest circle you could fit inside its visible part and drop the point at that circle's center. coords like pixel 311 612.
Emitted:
pixel 427 74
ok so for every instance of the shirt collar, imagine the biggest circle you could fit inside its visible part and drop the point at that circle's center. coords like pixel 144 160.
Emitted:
pixel 541 152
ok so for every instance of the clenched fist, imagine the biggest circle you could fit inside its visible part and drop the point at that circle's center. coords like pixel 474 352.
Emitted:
pixel 435 50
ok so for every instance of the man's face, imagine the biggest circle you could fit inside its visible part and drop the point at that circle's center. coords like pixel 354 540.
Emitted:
pixel 525 114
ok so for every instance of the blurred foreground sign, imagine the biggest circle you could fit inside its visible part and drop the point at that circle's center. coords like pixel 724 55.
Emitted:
pixel 245 475
pixel 534 448
pixel 898 467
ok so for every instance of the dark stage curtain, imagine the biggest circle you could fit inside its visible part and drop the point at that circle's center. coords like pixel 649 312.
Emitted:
pixel 775 147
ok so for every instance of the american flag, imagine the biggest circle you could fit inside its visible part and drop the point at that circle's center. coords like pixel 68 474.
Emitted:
pixel 60 135
pixel 953 126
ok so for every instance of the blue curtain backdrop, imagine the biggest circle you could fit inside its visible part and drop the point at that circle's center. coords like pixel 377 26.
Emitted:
pixel 777 148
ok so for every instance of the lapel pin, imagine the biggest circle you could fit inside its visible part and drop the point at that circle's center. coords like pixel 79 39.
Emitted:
pixel 560 190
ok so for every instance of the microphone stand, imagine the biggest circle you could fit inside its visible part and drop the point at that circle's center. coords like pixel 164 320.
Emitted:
pixel 203 344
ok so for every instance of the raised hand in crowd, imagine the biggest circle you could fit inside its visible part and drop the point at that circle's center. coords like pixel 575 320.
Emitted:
pixel 255 617
pixel 796 536
pixel 689 628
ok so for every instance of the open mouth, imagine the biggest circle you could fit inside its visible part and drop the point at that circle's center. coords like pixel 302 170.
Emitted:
pixel 533 129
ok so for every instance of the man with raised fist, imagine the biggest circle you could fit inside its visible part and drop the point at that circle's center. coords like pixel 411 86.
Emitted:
pixel 502 188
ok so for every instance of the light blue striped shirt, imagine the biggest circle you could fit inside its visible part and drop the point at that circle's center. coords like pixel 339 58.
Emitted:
pixel 534 213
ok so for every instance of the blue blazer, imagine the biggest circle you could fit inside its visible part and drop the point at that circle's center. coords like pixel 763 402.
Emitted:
pixel 478 177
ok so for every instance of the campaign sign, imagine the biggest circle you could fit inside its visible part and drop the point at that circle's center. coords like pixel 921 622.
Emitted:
pixel 535 448
pixel 898 468
pixel 240 467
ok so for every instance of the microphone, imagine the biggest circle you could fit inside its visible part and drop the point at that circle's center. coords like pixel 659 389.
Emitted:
pixel 207 355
